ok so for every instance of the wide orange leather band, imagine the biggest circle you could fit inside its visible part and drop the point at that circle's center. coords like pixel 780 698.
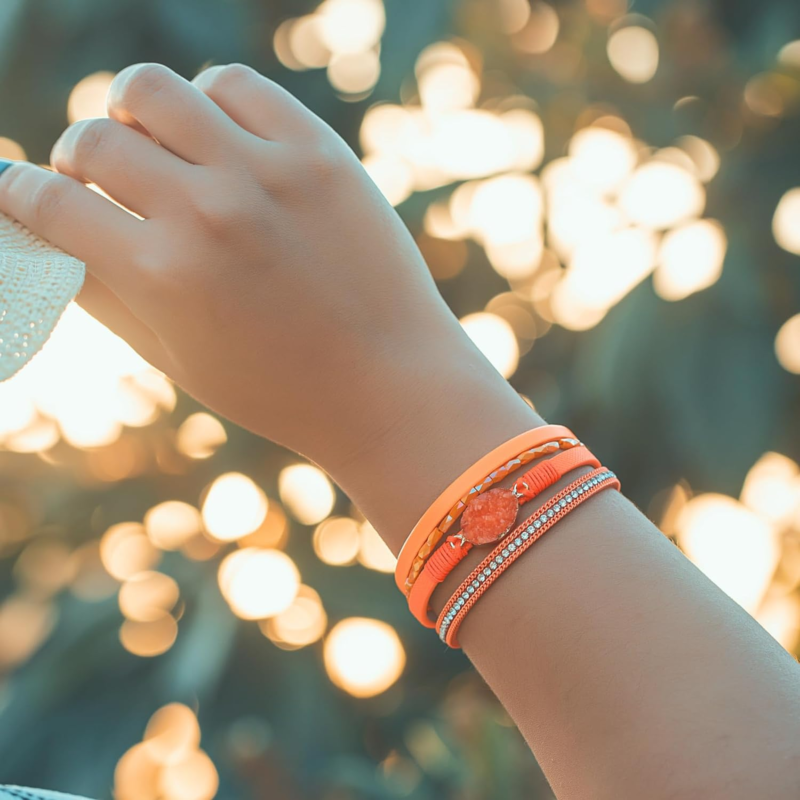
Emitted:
pixel 443 560
pixel 477 472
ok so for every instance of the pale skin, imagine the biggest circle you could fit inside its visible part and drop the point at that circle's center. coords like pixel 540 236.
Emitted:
pixel 271 280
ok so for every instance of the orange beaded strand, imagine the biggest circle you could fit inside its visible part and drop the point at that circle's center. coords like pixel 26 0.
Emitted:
pixel 490 480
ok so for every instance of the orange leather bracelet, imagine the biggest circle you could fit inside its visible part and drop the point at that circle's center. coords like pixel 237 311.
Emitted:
pixel 455 548
pixel 512 547
pixel 480 474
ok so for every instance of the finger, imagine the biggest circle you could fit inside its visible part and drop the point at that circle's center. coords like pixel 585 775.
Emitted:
pixel 96 298
pixel 175 113
pixel 258 104
pixel 76 219
pixel 125 164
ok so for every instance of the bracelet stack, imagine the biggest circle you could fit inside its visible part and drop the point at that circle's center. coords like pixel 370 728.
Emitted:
pixel 488 514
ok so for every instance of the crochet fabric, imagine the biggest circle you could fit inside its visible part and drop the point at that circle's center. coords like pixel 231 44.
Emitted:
pixel 37 282
pixel 18 793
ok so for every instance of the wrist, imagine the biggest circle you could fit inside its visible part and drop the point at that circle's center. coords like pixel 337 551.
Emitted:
pixel 434 410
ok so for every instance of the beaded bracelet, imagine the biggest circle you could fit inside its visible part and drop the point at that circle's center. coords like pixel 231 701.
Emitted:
pixel 450 505
pixel 511 548
pixel 487 522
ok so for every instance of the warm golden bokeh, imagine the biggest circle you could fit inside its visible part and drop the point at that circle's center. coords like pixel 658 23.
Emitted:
pixel 258 583
pixel 172 523
pixel 787 345
pixel 735 547
pixel 786 222
pixel 168 764
pixel 11 150
pixel 306 492
pixel 88 97
pixel 633 52
pixel 690 259
pixel 126 550
pixel 494 337
pixel 301 624
pixel 88 382
pixel 233 507
pixel 337 541
pixel 364 656
pixel 150 638
pixel 148 596
pixel 200 435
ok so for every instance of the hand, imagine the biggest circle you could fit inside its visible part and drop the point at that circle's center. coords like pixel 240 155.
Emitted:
pixel 265 273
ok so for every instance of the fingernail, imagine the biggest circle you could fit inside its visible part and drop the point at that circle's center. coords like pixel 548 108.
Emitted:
pixel 5 164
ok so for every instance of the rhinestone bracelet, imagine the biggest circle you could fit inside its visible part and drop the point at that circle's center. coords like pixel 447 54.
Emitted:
pixel 513 546
pixel 488 520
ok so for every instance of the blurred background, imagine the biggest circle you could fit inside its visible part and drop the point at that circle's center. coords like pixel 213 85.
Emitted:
pixel 608 194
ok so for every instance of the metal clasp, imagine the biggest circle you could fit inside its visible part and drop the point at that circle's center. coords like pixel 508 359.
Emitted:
pixel 460 537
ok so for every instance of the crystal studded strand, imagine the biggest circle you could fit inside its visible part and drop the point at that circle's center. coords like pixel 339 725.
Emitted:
pixel 478 582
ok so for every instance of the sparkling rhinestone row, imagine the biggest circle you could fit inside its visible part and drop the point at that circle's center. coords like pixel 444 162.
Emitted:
pixel 511 546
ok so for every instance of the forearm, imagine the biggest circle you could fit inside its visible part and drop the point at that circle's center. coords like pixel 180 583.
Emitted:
pixel 629 673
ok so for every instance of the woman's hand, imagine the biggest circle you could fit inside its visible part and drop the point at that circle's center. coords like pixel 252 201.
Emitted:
pixel 267 268
pixel 267 275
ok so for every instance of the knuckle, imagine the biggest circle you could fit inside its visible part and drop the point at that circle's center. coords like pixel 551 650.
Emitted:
pixel 150 259
pixel 230 75
pixel 215 212
pixel 143 80
pixel 48 199
pixel 87 138
pixel 325 162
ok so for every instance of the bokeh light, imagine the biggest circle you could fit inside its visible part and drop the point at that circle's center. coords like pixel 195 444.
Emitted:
pixel 690 259
pixel 495 338
pixel 660 195
pixel 258 583
pixel 364 656
pixel 125 550
pixel 88 381
pixel 772 488
pixel 373 552
pixel 25 624
pixel 602 158
pixel 11 150
pixel 193 778
pixel 200 435
pixel 233 507
pixel 172 734
pixel 169 763
pixel 733 546
pixel 351 26
pixel 301 624
pixel 172 523
pixel 149 638
pixel 787 345
pixel 633 52
pixel 337 541
pixel 786 221
pixel 306 492
pixel 148 596
pixel 541 30
pixel 88 98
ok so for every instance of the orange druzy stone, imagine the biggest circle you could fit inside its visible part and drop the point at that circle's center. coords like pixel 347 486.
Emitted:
pixel 489 516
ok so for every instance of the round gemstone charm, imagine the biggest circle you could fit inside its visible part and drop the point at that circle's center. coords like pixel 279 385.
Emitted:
pixel 489 516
